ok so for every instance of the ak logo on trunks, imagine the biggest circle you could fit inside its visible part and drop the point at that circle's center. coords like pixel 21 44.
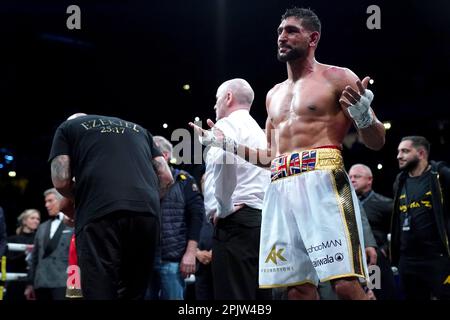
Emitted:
pixel 338 257
pixel 276 255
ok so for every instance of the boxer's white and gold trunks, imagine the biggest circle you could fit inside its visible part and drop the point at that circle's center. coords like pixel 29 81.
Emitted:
pixel 311 225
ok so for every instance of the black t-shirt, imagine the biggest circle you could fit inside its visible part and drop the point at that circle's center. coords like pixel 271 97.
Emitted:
pixel 419 235
pixel 110 159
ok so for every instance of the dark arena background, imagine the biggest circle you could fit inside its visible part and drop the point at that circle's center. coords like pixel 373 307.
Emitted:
pixel 160 62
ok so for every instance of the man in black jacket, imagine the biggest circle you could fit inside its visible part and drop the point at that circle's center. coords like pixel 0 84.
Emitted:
pixel 420 224
pixel 378 209
pixel 182 215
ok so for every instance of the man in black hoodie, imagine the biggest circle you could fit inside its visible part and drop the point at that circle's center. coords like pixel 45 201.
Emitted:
pixel 420 223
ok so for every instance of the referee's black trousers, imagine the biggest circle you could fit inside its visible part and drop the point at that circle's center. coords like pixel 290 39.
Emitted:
pixel 235 257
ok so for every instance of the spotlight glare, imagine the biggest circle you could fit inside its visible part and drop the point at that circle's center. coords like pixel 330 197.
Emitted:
pixel 186 87
pixel 379 166
pixel 12 174
pixel 371 81
pixel 196 119
pixel 387 125
pixel 165 125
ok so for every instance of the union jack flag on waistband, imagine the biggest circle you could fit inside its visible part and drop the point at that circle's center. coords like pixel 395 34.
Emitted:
pixel 294 164
pixel 309 160
pixel 278 169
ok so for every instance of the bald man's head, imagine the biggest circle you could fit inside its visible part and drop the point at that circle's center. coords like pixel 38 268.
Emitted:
pixel 241 90
pixel 361 178
pixel 76 115
pixel 233 95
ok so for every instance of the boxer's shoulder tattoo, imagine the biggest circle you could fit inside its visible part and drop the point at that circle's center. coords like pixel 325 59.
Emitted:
pixel 60 167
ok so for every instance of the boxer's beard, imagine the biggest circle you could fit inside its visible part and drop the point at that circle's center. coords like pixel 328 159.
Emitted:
pixel 410 165
pixel 293 54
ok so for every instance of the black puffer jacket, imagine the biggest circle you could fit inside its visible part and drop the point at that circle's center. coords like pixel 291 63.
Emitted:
pixel 182 214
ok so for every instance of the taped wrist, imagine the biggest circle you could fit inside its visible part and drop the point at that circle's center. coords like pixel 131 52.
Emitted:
pixel 361 112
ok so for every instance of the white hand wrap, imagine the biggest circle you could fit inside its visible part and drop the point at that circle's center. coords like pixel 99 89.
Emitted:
pixel 361 111
pixel 227 144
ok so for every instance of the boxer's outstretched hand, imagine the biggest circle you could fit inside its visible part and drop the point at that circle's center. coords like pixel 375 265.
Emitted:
pixel 357 104
pixel 350 96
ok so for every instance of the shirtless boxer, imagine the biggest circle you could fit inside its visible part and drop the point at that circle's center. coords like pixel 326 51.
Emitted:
pixel 311 227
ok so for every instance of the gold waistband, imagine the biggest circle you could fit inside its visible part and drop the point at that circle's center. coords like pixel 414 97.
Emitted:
pixel 307 160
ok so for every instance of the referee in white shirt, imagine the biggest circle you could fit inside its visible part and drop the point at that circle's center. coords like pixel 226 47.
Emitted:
pixel 234 192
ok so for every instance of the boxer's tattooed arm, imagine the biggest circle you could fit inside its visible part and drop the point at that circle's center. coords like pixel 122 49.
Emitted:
pixel 61 175
pixel 164 174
